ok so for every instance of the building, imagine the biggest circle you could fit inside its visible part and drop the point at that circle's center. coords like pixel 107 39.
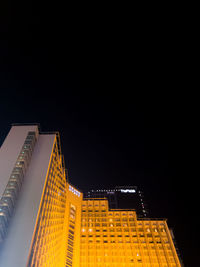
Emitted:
pixel 37 207
pixel 122 197
pixel 46 222
pixel 116 238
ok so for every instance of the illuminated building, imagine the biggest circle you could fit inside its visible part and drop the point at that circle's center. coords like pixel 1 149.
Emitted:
pixel 45 222
pixel 122 197
pixel 116 238
pixel 38 208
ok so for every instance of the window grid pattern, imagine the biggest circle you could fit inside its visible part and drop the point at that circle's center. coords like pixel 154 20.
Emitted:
pixel 115 238
pixel 70 238
pixel 48 247
pixel 12 190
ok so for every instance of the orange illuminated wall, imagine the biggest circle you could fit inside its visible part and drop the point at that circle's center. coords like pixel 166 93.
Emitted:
pixel 72 226
pixel 56 240
pixel 48 244
pixel 115 238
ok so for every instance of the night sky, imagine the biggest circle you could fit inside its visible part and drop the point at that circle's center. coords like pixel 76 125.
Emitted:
pixel 118 104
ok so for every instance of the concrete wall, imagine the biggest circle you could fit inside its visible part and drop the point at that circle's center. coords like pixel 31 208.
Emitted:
pixel 16 247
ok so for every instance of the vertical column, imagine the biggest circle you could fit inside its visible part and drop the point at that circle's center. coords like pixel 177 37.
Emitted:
pixel 11 192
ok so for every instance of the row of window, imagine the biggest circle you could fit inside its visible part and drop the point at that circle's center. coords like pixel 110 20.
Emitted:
pixel 99 214
pixel 126 247
pixel 121 264
pixel 136 257
pixel 133 231
pixel 103 219
pixel 121 239
pixel 10 195
pixel 108 213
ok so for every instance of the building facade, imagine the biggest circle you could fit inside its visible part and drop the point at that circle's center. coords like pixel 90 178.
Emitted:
pixel 116 238
pixel 46 222
pixel 39 211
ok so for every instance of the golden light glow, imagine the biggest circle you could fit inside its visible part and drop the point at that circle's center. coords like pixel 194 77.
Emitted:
pixel 72 232
pixel 126 242
pixel 48 245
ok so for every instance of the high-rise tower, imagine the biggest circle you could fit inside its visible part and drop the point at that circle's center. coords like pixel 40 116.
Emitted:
pixel 37 206
pixel 45 222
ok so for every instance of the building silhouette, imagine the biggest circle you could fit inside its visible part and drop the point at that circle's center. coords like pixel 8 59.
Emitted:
pixel 46 222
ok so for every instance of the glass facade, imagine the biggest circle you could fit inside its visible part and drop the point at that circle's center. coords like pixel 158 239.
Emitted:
pixel 12 190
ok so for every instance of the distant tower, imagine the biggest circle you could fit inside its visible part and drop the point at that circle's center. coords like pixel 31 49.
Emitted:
pixel 122 197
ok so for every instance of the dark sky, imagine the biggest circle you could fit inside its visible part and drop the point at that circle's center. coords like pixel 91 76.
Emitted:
pixel 118 97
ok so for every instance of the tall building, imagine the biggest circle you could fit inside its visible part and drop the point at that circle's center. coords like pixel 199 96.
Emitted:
pixel 122 197
pixel 38 209
pixel 46 222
